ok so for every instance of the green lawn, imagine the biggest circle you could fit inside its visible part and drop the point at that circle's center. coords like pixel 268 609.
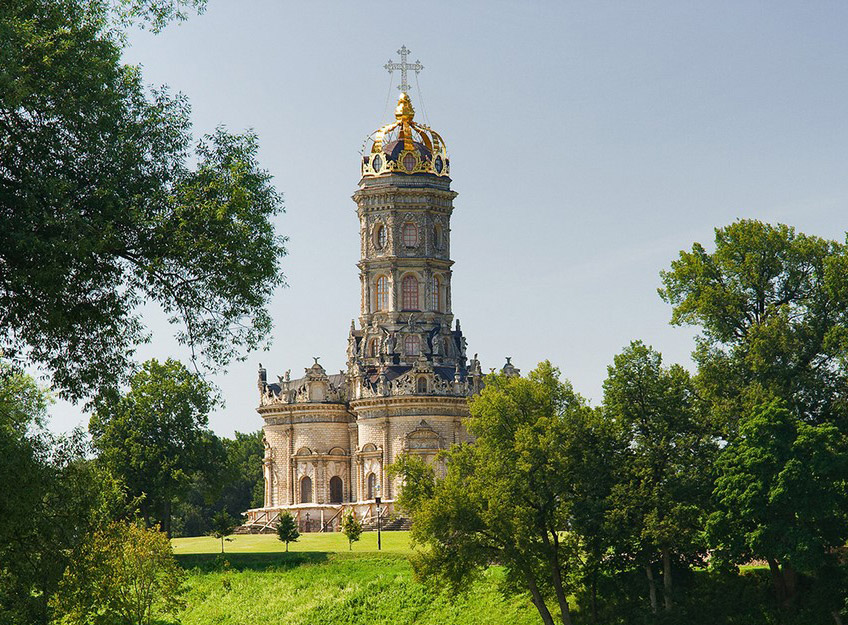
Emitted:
pixel 392 542
pixel 319 582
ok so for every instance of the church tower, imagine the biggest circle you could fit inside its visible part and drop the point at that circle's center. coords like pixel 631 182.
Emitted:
pixel 404 203
pixel 330 438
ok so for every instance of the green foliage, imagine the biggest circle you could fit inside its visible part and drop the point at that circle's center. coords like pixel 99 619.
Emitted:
pixel 231 481
pixel 773 305
pixel 54 497
pixel 351 528
pixel 509 497
pixel 123 573
pixel 419 481
pixel 782 494
pixel 153 437
pixel 104 209
pixel 222 525
pixel 663 479
pixel 287 529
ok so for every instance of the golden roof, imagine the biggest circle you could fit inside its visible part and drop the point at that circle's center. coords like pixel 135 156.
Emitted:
pixel 405 146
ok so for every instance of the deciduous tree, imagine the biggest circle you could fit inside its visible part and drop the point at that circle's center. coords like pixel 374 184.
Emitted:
pixel 773 306
pixel 123 573
pixel 782 491
pixel 222 526
pixel 513 495
pixel 153 436
pixel 109 204
pixel 54 497
pixel 664 480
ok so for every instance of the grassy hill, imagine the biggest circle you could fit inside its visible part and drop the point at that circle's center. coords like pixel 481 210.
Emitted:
pixel 319 581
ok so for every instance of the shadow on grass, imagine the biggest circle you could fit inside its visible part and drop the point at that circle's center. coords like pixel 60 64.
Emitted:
pixel 272 561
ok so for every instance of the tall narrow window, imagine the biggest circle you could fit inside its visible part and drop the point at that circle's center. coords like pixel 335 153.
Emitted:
pixel 437 236
pixel 306 490
pixel 409 292
pixel 372 483
pixel 382 293
pixel 374 348
pixel 410 235
pixel 380 237
pixel 336 489
pixel 422 385
pixel 412 345
pixel 437 294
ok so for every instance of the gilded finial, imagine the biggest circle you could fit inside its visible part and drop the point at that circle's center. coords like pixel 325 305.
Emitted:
pixel 404 110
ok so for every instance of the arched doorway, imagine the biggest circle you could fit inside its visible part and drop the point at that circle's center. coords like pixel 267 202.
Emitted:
pixel 336 489
pixel 372 483
pixel 306 490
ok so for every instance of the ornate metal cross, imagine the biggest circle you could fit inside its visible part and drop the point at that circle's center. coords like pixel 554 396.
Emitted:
pixel 404 67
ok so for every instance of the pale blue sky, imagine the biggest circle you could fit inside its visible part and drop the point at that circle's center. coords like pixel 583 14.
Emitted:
pixel 589 143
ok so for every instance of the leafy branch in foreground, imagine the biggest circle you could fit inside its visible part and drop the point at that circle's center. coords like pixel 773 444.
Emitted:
pixel 102 211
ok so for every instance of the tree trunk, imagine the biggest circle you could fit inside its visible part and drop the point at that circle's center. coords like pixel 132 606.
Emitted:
pixel 556 575
pixel 167 519
pixel 789 582
pixel 222 544
pixel 666 556
pixel 777 581
pixel 539 601
pixel 837 618
pixel 652 586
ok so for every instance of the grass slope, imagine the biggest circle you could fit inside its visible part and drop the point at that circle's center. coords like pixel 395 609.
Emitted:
pixel 320 582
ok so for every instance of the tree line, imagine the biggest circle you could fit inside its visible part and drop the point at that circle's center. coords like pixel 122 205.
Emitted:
pixel 714 497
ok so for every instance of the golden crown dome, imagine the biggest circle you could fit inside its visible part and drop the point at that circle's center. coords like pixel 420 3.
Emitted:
pixel 405 147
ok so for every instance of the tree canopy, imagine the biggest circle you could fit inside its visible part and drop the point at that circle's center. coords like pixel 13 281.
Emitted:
pixel 154 436
pixel 773 305
pixel 107 204
pixel 511 495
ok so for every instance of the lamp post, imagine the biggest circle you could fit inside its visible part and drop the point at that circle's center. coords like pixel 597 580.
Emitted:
pixel 377 500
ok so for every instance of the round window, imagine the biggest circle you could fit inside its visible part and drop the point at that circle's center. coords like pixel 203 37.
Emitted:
pixel 409 162
pixel 377 163
pixel 438 165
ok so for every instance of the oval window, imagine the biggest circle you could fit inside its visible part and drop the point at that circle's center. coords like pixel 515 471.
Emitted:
pixel 409 162
pixel 438 165
pixel 377 163
pixel 380 237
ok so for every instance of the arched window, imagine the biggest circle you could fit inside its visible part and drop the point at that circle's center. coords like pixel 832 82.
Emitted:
pixel 410 235
pixel 374 348
pixel 382 293
pixel 306 490
pixel 372 483
pixel 380 237
pixel 437 294
pixel 411 345
pixel 409 293
pixel 336 489
pixel 422 385
pixel 437 236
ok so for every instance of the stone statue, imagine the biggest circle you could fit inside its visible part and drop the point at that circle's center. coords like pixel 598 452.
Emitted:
pixel 389 343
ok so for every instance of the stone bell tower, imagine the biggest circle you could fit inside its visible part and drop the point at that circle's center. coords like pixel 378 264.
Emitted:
pixel 408 372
